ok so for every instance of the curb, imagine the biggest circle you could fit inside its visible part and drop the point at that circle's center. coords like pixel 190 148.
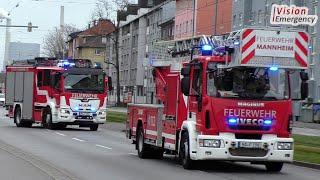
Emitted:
pixel 308 165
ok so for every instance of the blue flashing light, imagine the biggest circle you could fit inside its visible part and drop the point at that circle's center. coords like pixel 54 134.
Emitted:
pixel 232 121
pixel 206 47
pixel 236 43
pixel 267 122
pixel 273 68
pixel 76 108
pixel 310 47
pixel 66 63
pixel 93 109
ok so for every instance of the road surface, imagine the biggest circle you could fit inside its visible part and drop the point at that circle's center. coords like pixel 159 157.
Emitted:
pixel 106 154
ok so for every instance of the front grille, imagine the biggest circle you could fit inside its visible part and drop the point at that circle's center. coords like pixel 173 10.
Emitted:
pixel 248 152
pixel 248 136
pixel 258 128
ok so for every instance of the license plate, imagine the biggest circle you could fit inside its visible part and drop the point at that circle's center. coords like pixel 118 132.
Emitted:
pixel 251 145
pixel 85 114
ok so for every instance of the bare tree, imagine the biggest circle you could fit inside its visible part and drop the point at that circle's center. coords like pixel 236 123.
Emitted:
pixel 108 9
pixel 54 44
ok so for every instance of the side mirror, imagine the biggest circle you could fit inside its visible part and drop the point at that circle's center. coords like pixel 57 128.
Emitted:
pixel 110 88
pixel 185 71
pixel 304 76
pixel 185 86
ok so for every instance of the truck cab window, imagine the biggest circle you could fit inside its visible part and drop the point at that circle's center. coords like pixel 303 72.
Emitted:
pixel 46 78
pixel 197 80
pixel 39 78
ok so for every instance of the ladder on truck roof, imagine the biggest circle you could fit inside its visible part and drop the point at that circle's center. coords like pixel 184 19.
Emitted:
pixel 38 61
pixel 250 48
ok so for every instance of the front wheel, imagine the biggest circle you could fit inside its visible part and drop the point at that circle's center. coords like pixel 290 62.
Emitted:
pixel 47 122
pixel 184 153
pixel 94 127
pixel 274 166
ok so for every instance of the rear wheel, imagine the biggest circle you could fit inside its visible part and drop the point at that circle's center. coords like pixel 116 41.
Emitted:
pixel 141 146
pixel 94 127
pixel 184 153
pixel 274 166
pixel 17 117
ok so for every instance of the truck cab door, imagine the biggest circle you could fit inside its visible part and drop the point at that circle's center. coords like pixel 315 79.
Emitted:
pixel 196 92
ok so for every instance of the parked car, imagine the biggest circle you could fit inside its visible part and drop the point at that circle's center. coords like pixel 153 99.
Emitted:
pixel 2 100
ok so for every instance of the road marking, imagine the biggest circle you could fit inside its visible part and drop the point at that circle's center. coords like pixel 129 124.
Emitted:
pixel 132 154
pixel 60 134
pixel 76 139
pixel 105 147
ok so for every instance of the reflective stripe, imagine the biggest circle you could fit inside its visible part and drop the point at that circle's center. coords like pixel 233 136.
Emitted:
pixel 151 132
pixel 169 136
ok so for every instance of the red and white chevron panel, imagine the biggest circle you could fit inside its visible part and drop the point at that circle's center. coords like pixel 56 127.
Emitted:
pixel 301 48
pixel 248 48
pixel 252 39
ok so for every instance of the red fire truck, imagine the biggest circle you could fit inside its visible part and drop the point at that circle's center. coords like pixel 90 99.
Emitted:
pixel 232 101
pixel 55 93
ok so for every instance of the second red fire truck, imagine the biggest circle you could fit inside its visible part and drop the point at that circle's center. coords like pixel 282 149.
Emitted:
pixel 231 101
pixel 56 93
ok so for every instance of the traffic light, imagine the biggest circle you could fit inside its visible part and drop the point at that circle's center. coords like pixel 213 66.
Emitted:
pixel 29 27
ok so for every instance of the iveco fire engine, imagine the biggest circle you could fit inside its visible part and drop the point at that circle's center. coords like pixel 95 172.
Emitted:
pixel 56 93
pixel 232 101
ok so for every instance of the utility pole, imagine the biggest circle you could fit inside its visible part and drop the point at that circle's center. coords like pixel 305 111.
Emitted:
pixel 7 43
pixel 62 27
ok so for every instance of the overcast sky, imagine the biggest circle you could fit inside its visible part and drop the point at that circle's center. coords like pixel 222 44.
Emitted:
pixel 46 15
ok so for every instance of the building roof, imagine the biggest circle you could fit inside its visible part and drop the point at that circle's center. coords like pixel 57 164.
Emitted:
pixel 100 27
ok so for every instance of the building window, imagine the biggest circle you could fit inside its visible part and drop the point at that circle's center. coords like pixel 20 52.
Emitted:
pixel 104 40
pixel 240 19
pixel 252 17
pixel 260 14
pixel 187 26
pixel 98 52
pixel 234 20
pixel 84 40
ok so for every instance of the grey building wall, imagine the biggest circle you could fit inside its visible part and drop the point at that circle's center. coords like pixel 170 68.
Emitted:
pixel 22 51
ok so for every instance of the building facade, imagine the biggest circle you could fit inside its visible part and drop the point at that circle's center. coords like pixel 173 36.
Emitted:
pixel 91 43
pixel 137 34
pixel 23 51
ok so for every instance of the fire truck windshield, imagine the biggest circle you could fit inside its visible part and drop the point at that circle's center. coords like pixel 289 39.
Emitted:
pixel 84 82
pixel 248 83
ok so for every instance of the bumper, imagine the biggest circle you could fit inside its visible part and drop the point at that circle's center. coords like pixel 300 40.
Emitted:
pixel 76 119
pixel 228 149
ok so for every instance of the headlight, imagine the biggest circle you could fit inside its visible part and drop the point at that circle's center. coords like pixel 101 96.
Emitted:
pixel 214 143
pixel 284 145
pixel 102 113
pixel 65 111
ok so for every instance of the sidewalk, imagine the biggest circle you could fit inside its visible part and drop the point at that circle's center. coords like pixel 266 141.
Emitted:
pixel 309 129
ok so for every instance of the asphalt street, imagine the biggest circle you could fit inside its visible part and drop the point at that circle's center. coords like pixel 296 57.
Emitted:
pixel 74 153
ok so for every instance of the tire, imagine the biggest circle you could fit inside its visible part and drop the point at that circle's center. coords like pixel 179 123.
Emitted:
pixel 274 166
pixel 184 153
pixel 17 117
pixel 94 127
pixel 141 146
pixel 48 120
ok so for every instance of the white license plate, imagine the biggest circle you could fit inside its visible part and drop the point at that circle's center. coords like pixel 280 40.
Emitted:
pixel 251 145
pixel 85 114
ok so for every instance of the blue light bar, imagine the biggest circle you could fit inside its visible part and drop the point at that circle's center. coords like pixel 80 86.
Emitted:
pixel 273 68
pixel 76 108
pixel 267 122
